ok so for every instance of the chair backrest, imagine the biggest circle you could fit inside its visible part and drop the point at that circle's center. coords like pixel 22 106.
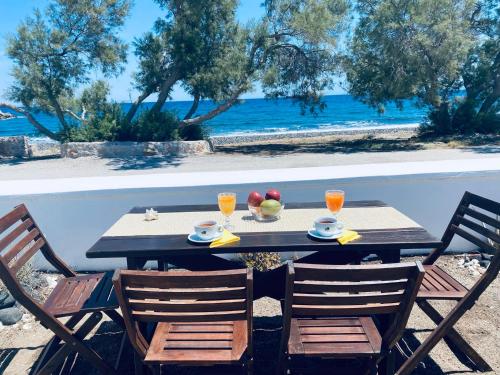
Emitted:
pixel 324 290
pixel 20 240
pixel 477 220
pixel 183 296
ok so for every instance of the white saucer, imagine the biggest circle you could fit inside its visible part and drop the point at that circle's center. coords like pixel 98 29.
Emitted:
pixel 312 232
pixel 193 237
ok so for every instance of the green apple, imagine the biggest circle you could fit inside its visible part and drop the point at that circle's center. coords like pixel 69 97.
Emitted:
pixel 270 207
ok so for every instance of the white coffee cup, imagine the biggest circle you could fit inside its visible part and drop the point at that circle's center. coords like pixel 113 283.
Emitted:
pixel 326 226
pixel 208 229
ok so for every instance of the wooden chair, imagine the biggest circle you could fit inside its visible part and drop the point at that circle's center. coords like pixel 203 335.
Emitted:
pixel 476 220
pixel 74 296
pixel 203 318
pixel 328 311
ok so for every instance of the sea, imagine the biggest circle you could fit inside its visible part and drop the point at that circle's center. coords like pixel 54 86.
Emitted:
pixel 257 116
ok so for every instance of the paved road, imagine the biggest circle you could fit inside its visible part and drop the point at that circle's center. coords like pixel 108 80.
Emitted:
pixel 226 161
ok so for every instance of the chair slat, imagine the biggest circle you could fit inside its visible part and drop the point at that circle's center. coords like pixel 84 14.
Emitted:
pixel 213 344
pixel 188 307
pixel 27 255
pixel 9 238
pixel 471 238
pixel 482 217
pixel 196 336
pixel 333 338
pixel 185 280
pixel 20 245
pixel 329 330
pixel 205 294
pixel 352 273
pixel 12 217
pixel 355 310
pixel 480 229
pixel 148 316
pixel 354 287
pixel 354 299
pixel 484 203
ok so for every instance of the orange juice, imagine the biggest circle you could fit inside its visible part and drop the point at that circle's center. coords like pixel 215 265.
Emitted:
pixel 227 204
pixel 334 201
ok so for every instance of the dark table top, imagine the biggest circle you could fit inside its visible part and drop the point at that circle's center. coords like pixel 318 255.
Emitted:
pixel 158 246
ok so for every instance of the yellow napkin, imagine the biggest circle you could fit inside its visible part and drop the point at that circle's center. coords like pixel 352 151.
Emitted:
pixel 348 236
pixel 226 239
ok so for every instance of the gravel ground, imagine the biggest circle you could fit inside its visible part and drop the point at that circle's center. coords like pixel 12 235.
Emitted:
pixel 21 345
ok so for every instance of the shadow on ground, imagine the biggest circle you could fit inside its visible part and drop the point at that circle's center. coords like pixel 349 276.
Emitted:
pixel 344 147
pixel 266 346
pixel 145 162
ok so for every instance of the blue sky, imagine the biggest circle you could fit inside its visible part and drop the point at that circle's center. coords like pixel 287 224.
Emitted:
pixel 141 19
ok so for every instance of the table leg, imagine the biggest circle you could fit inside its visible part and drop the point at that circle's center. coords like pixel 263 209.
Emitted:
pixel 136 263
pixel 389 256
pixel 203 262
pixel 332 257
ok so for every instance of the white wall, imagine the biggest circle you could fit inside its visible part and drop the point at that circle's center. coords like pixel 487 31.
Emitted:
pixel 78 211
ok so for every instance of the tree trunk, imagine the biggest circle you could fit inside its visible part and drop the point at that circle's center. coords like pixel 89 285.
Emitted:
pixel 58 109
pixel 493 97
pixel 42 129
pixel 194 107
pixel 216 111
pixel 135 105
pixel 165 90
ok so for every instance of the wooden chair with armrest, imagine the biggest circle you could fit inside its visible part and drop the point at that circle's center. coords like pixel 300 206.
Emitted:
pixel 76 297
pixel 328 312
pixel 202 318
pixel 476 220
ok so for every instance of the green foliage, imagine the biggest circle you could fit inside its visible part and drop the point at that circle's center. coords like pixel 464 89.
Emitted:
pixel 201 46
pixel 55 51
pixel 155 126
pixel 429 50
pixel 261 261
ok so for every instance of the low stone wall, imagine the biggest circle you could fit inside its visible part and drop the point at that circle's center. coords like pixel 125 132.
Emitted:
pixel 14 147
pixel 133 149
pixel 24 147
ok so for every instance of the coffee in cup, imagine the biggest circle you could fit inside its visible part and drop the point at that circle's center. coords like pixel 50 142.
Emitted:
pixel 326 226
pixel 208 229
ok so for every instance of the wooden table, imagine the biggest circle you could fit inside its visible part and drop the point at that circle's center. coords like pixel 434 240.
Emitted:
pixel 175 249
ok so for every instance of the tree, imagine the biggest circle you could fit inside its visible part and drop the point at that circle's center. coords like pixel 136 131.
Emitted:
pixel 429 50
pixel 200 45
pixel 54 52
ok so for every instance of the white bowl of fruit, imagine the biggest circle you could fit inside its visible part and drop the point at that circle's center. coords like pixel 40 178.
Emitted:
pixel 265 208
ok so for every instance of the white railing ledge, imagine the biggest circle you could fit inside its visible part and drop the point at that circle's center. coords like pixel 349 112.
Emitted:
pixel 82 184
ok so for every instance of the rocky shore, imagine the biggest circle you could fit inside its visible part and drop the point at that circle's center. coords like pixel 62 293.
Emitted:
pixel 6 116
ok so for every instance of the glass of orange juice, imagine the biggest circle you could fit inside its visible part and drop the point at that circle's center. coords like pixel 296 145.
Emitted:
pixel 334 201
pixel 227 205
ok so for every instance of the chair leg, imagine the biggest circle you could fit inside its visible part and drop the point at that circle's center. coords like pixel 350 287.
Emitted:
pixel 156 369
pixel 430 342
pixel 117 318
pixel 51 347
pixel 387 366
pixel 138 365
pixel 82 349
pixel 453 338
pixel 250 366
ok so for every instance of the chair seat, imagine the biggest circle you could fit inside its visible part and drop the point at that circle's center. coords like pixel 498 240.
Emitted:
pixel 86 293
pixel 334 338
pixel 198 343
pixel 439 285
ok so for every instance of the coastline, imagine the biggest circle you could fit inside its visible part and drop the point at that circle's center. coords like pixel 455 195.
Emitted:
pixel 394 131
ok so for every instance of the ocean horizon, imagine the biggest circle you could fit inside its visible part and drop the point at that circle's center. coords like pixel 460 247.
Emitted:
pixel 264 116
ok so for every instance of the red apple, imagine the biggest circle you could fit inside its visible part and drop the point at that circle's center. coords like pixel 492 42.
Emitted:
pixel 273 194
pixel 255 199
